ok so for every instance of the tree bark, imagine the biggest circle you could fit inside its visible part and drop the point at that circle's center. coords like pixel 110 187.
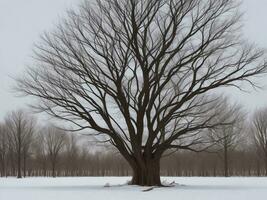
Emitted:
pixel 147 173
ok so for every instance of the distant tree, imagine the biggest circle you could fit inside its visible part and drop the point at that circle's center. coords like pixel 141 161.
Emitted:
pixel 139 73
pixel 27 145
pixel 72 154
pixel 54 140
pixel 259 130
pixel 227 137
pixel 20 129
pixel 39 151
pixel 3 150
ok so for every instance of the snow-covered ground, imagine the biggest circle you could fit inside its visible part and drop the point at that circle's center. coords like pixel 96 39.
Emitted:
pixel 95 188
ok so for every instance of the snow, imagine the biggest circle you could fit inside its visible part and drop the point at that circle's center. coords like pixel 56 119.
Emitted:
pixel 115 188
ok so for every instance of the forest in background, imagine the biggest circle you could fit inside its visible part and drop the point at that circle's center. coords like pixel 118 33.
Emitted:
pixel 28 149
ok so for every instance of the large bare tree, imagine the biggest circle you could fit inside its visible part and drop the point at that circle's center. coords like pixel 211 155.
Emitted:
pixel 139 73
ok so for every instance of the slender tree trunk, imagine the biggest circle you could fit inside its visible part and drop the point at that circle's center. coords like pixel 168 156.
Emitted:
pixel 13 163
pixel 226 167
pixel 19 158
pixel 44 170
pixel 53 169
pixel 3 168
pixel 19 167
pixel 258 168
pixel 24 164
pixel 147 174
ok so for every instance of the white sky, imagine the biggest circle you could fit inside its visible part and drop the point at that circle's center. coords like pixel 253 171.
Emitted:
pixel 22 22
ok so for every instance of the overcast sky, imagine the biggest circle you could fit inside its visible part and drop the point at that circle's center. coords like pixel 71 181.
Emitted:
pixel 22 22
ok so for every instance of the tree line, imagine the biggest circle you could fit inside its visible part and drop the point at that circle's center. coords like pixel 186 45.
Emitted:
pixel 28 149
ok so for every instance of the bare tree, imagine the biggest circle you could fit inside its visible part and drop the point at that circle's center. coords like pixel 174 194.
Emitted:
pixel 54 140
pixel 139 72
pixel 39 149
pixel 72 154
pixel 20 127
pixel 3 150
pixel 259 130
pixel 227 137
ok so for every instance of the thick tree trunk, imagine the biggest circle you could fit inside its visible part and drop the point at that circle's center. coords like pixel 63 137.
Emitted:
pixel 146 174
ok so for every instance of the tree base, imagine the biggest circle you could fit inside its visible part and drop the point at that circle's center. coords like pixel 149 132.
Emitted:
pixel 147 176
pixel 146 183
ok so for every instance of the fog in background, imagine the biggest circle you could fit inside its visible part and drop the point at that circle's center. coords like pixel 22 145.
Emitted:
pixel 23 21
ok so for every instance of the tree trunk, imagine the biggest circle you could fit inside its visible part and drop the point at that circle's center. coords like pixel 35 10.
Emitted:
pixel 24 164
pixel 226 168
pixel 265 165
pixel 258 168
pixel 19 167
pixel 146 174
pixel 19 161
pixel 53 170
pixel 3 167
pixel 54 167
